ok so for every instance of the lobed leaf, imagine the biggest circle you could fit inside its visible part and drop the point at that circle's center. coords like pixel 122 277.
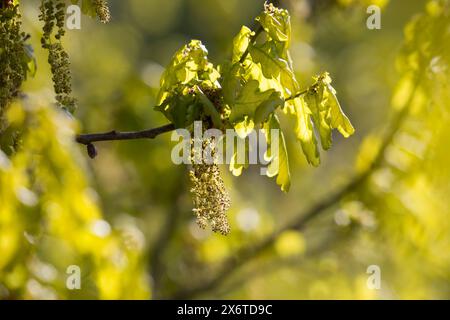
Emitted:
pixel 188 73
pixel 305 131
pixel 276 23
pixel 249 100
pixel 279 164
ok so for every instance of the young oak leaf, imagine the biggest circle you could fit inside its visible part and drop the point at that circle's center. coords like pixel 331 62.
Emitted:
pixel 248 101
pixel 326 111
pixel 189 67
pixel 187 110
pixel 265 69
pixel 304 131
pixel 276 22
pixel 241 43
pixel 236 75
pixel 275 67
pixel 277 152
pixel 181 97
pixel 268 107
pixel 273 55
pixel 245 127
pixel 338 118
pixel 320 115
pixel 239 158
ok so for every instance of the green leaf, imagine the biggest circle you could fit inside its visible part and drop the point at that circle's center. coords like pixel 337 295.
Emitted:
pixel 235 168
pixel 241 43
pixel 276 22
pixel 326 111
pixel 248 101
pixel 209 108
pixel 268 107
pixel 189 67
pixel 280 163
pixel 275 67
pixel 305 131
pixel 244 128
pixel 238 165
pixel 188 73
pixel 231 81
pixel 180 110
pixel 269 62
pixel 320 114
pixel 338 119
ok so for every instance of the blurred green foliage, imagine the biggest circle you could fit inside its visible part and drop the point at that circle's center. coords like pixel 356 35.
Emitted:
pixel 135 235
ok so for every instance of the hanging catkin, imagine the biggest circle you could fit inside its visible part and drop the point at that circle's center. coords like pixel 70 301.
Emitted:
pixel 210 197
pixel 12 69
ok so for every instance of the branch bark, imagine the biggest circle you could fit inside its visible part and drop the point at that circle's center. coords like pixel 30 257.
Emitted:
pixel 276 264
pixel 88 139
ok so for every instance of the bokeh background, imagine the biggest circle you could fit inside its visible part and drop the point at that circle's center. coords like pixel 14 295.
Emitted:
pixel 378 198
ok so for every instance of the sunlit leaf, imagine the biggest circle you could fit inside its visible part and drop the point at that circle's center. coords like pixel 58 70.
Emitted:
pixel 276 22
pixel 305 132
pixel 279 165
pixel 248 101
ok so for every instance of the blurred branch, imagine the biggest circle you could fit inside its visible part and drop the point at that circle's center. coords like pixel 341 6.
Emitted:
pixel 247 253
pixel 156 261
pixel 276 264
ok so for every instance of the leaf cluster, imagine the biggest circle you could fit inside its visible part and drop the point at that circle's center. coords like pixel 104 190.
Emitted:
pixel 246 92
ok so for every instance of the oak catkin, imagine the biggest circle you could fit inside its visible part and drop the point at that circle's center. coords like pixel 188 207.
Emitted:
pixel 53 16
pixel 12 68
pixel 102 10
pixel 210 197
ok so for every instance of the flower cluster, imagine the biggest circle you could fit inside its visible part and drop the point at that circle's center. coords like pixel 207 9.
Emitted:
pixel 12 69
pixel 210 197
pixel 53 16
pixel 102 10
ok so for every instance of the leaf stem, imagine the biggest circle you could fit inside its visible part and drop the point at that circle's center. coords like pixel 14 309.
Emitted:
pixel 298 95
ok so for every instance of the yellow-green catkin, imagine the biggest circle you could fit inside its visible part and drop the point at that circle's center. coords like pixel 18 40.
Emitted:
pixel 12 69
pixel 102 10
pixel 53 16
pixel 210 197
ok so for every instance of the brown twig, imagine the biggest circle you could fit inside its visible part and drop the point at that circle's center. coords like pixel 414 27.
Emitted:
pixel 87 139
